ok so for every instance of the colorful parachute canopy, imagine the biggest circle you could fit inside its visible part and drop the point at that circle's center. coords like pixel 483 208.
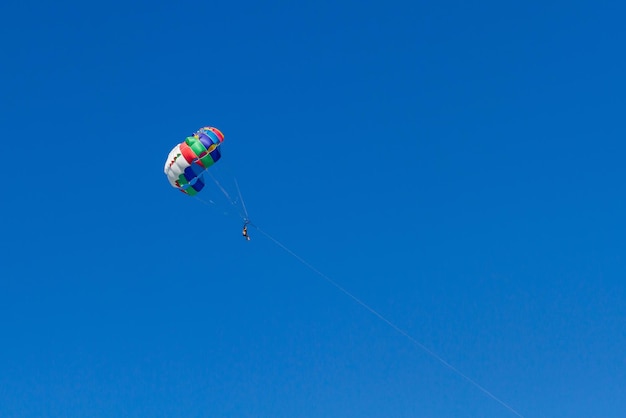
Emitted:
pixel 188 160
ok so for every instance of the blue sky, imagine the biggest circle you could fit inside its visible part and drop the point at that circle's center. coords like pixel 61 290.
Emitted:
pixel 457 167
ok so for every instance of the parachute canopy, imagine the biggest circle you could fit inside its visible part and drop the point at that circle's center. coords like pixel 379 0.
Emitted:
pixel 188 160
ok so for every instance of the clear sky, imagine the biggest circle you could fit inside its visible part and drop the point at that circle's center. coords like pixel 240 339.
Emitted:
pixel 458 167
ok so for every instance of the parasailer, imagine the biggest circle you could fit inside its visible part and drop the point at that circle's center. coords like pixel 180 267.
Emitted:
pixel 188 160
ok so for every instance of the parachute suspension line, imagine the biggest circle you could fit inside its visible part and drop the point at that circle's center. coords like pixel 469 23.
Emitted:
pixel 388 322
pixel 217 183
pixel 244 217
pixel 211 203
pixel 243 204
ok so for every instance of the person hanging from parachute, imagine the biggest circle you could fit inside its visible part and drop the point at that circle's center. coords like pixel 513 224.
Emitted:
pixel 244 231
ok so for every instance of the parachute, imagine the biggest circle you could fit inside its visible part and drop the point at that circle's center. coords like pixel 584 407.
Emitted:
pixel 187 161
